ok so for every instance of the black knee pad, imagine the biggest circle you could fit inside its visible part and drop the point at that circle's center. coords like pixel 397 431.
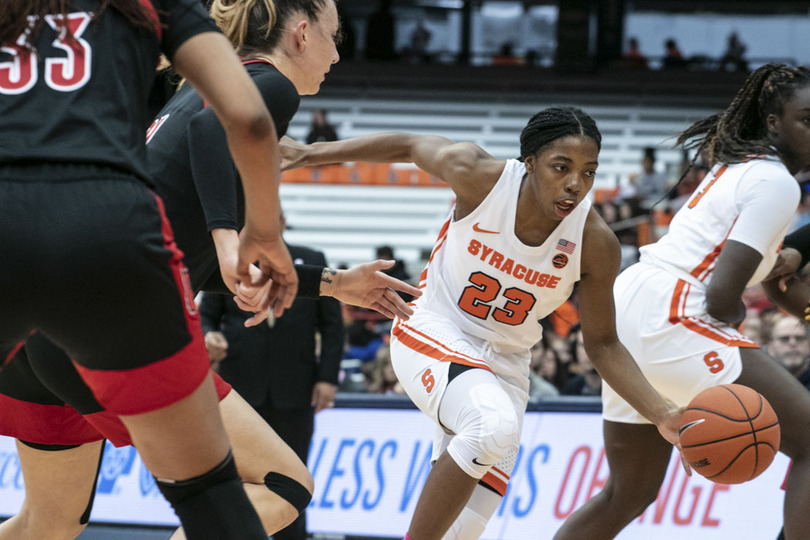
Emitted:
pixel 214 505
pixel 288 489
pixel 176 491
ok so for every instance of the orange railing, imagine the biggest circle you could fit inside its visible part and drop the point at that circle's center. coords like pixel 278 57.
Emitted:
pixel 364 174
pixel 383 174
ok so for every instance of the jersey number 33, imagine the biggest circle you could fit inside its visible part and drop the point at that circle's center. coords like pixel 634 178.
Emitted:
pixel 64 72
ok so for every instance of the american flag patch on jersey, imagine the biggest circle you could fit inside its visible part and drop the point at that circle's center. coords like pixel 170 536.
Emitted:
pixel 566 246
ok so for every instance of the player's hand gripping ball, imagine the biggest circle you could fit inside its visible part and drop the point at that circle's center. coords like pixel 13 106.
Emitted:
pixel 729 433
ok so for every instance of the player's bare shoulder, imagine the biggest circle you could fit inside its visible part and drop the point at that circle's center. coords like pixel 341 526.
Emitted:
pixel 468 160
pixel 471 171
pixel 600 247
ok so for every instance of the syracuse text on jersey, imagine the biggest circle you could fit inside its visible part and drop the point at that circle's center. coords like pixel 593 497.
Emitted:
pixel 507 265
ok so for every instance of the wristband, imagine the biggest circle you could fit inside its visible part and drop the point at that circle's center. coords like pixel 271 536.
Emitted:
pixel 309 280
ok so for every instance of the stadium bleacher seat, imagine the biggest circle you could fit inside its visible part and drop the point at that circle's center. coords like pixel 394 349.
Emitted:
pixel 388 204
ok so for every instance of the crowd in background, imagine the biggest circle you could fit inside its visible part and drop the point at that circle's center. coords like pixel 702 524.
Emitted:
pixel 559 363
pixel 381 44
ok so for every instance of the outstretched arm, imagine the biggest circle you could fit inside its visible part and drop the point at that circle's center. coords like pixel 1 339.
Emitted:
pixel 464 166
pixel 601 257
pixel 366 286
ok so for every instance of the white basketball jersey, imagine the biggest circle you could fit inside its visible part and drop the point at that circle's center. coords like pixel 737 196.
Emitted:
pixel 488 283
pixel 751 202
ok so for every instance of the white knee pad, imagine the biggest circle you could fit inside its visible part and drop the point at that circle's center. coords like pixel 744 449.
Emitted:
pixel 487 428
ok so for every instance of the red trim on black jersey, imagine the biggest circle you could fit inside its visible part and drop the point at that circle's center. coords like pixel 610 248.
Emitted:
pixel 163 382
pixel 151 12
pixel 248 61
pixel 12 354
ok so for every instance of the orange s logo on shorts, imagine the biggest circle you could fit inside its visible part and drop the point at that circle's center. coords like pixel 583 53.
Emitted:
pixel 713 362
pixel 428 380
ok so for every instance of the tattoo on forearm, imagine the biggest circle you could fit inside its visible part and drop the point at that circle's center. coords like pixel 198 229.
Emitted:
pixel 327 275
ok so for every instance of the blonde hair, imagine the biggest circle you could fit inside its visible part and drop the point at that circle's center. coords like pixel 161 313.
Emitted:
pixel 256 25
pixel 234 17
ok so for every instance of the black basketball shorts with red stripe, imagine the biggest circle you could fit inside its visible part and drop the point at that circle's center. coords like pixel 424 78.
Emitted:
pixel 90 263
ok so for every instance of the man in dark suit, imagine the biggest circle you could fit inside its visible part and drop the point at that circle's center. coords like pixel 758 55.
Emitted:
pixel 276 366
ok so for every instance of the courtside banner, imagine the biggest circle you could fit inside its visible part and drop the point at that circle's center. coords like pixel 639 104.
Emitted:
pixel 369 468
pixel 370 464
pixel 125 493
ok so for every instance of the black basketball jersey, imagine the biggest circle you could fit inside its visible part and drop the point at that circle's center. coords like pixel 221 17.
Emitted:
pixel 193 170
pixel 82 98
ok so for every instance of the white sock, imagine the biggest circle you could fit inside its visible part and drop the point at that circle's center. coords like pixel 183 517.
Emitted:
pixel 472 520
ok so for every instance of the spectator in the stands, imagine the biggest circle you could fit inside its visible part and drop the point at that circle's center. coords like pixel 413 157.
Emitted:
pixel 398 271
pixel 362 342
pixel 420 37
pixel 789 345
pixel 546 366
pixel 634 58
pixel 380 376
pixel 692 173
pixel 650 183
pixel 608 211
pixel 321 130
pixel 752 326
pixel 673 58
pixel 539 387
pixel 586 381
pixel 506 56
pixel 734 57
pixel 561 347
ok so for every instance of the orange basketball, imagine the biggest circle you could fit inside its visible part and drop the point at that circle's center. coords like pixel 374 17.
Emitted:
pixel 729 433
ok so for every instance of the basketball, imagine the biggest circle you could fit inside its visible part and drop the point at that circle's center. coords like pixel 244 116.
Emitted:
pixel 729 433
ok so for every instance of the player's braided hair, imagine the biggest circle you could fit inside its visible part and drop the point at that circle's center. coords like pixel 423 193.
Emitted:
pixel 256 25
pixel 553 123
pixel 16 14
pixel 740 130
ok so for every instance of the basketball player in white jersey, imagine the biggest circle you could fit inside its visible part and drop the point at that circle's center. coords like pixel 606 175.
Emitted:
pixel 679 307
pixel 520 236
